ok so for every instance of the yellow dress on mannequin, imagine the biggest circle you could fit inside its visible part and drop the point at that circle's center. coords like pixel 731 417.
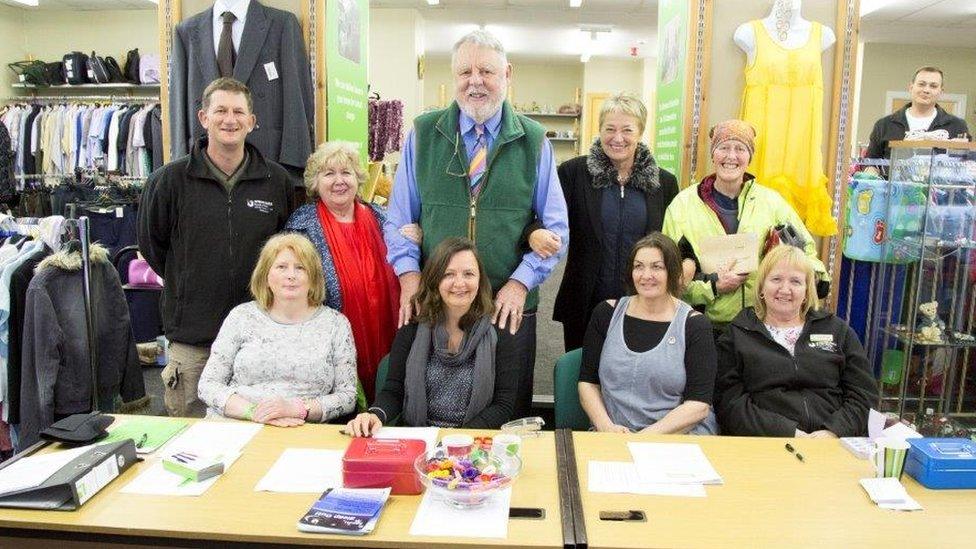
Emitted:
pixel 783 100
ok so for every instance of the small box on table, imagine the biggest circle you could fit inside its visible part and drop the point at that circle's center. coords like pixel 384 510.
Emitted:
pixel 382 463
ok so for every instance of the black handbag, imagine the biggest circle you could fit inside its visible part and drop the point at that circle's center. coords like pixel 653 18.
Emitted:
pixel 132 66
pixel 55 73
pixel 99 71
pixel 76 68
pixel 114 71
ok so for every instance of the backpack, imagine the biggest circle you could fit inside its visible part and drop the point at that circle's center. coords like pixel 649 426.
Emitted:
pixel 114 71
pixel 149 69
pixel 132 66
pixel 76 68
pixel 97 70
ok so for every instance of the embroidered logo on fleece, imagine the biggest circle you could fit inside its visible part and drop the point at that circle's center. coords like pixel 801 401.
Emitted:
pixel 262 206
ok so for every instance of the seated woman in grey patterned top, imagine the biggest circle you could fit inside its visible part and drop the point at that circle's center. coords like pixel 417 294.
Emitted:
pixel 284 358
pixel 451 367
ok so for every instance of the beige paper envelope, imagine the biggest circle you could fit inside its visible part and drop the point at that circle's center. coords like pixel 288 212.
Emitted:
pixel 738 253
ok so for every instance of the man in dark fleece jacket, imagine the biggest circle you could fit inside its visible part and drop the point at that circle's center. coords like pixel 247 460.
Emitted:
pixel 202 222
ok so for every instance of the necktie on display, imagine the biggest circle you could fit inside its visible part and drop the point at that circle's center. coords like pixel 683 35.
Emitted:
pixel 226 56
pixel 479 158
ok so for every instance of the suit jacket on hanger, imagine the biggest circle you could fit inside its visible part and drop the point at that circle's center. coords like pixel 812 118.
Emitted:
pixel 282 102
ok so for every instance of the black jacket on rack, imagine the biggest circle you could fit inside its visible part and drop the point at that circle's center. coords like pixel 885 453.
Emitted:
pixel 55 371
pixel 19 282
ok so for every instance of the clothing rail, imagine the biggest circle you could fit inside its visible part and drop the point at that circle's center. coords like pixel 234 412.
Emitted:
pixel 82 98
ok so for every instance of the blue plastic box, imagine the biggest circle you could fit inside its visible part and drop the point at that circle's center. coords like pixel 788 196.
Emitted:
pixel 942 462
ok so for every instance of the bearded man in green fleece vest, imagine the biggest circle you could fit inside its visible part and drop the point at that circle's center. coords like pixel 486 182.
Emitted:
pixel 479 170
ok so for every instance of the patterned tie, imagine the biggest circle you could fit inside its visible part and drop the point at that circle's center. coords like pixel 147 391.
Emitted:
pixel 478 160
pixel 226 57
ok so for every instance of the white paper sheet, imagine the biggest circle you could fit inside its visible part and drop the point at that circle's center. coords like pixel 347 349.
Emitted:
pixel 32 471
pixel 672 463
pixel 876 428
pixel 426 434
pixel 213 438
pixel 876 423
pixel 900 431
pixel 303 471
pixel 620 477
pixel 436 518
pixel 889 493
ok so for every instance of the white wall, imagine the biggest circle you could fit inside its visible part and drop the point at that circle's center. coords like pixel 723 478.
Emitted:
pixel 49 34
pixel 889 67
pixel 395 42
pixel 610 76
pixel 11 45
pixel 648 94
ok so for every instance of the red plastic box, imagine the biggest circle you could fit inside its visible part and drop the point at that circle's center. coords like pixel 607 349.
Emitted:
pixel 382 463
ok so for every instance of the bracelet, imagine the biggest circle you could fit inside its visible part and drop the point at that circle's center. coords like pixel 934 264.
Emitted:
pixel 249 412
pixel 307 407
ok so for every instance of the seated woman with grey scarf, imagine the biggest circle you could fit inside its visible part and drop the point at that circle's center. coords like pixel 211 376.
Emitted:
pixel 447 368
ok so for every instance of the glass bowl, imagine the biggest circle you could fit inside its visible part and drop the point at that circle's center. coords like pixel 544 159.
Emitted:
pixel 459 491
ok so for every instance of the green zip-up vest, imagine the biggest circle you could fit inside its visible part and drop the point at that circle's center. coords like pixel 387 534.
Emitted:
pixel 494 219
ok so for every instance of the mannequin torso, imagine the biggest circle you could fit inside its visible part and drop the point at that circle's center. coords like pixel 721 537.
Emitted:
pixel 785 26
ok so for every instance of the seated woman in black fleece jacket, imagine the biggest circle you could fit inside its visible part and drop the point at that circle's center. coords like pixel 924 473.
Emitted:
pixel 448 369
pixel 787 369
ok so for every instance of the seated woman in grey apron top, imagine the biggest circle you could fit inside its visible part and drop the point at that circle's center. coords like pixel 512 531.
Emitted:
pixel 648 358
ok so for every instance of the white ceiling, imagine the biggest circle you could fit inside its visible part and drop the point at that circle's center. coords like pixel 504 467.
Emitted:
pixel 548 28
pixel 930 22
pixel 539 29
pixel 86 5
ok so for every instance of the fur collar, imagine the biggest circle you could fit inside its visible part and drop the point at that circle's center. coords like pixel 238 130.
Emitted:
pixel 645 175
pixel 71 261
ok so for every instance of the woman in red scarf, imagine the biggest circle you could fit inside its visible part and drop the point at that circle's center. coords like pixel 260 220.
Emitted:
pixel 348 235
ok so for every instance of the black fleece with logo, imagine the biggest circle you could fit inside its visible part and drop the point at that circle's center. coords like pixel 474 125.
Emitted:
pixel 762 390
pixel 204 241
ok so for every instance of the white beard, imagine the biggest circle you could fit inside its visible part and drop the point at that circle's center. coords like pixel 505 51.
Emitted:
pixel 480 115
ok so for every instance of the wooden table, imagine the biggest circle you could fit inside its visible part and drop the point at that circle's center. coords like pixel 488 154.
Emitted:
pixel 232 512
pixel 770 499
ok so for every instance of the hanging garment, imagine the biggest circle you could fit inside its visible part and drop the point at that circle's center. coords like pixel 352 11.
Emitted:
pixel 271 60
pixel 55 370
pixel 783 100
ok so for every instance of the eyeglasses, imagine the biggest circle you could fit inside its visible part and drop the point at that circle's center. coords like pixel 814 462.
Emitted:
pixel 456 156
pixel 461 160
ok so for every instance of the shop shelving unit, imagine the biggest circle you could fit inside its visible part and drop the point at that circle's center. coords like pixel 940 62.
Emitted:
pixel 928 255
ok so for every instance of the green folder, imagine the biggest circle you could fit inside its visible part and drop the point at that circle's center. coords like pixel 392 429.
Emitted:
pixel 148 432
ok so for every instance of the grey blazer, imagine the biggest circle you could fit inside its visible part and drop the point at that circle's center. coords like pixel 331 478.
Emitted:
pixel 283 106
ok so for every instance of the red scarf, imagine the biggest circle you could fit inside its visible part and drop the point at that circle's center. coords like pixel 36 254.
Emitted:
pixel 370 289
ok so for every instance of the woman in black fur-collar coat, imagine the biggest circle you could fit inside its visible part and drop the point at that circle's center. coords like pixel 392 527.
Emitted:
pixel 616 194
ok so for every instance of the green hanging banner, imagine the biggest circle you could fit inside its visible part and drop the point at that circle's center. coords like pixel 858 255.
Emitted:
pixel 672 84
pixel 347 115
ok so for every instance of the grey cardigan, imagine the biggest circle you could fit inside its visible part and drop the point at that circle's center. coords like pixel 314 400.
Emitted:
pixel 283 106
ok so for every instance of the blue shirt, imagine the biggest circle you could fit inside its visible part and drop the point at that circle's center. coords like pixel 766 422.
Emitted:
pixel 549 206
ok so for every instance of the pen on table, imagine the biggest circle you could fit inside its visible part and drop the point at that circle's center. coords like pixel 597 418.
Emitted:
pixel 790 449
pixel 142 441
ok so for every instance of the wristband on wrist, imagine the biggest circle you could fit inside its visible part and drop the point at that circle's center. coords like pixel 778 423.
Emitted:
pixel 307 407
pixel 249 412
